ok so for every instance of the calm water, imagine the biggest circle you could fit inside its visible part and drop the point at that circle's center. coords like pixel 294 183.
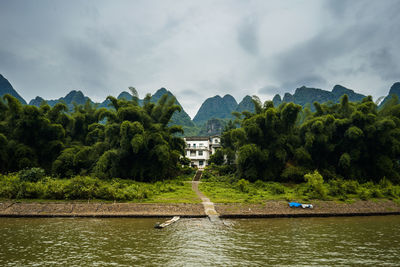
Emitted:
pixel 356 241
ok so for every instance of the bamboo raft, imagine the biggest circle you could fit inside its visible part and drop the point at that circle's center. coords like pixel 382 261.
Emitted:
pixel 166 223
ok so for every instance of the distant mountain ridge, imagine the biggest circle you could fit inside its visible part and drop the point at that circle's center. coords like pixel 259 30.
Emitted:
pixel 72 97
pixel 215 111
pixel 77 97
pixel 306 95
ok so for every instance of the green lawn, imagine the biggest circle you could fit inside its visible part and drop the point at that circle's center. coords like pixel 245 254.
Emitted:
pixel 222 192
pixel 259 192
pixel 180 194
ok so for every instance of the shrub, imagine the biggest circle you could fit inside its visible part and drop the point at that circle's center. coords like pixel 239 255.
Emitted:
pixel 276 188
pixel 54 188
pixel 294 174
pixel 259 184
pixel 315 185
pixel 364 193
pixel 82 187
pixel 340 187
pixel 31 175
pixel 388 189
pixel 243 185
pixel 9 186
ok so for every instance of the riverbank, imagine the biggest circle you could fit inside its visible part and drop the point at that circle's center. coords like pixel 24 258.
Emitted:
pixel 269 209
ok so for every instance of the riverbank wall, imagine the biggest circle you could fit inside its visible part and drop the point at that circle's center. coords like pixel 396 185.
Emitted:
pixel 270 209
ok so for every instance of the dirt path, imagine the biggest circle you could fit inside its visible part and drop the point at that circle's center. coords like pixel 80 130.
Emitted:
pixel 209 208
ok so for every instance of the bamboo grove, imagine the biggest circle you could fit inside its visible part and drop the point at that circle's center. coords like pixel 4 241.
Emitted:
pixel 357 141
pixel 354 141
pixel 124 141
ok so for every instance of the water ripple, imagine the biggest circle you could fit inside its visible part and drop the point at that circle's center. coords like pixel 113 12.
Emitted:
pixel 353 241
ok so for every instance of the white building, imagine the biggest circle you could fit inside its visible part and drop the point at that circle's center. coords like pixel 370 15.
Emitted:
pixel 200 148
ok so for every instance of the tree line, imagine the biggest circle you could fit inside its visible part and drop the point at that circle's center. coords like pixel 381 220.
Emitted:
pixel 349 140
pixel 125 141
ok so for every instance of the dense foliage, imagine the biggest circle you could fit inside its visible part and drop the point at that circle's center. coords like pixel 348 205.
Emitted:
pixel 227 188
pixel 125 141
pixel 20 186
pixel 347 140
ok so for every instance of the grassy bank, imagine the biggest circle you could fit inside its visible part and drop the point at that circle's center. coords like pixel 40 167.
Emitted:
pixel 82 188
pixel 227 189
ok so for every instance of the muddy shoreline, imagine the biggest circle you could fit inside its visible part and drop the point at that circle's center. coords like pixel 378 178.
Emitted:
pixel 271 209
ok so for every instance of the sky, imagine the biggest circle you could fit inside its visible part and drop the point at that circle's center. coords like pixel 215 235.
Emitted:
pixel 198 49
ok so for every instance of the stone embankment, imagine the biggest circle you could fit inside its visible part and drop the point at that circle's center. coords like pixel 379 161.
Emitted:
pixel 274 209
pixel 45 209
pixel 270 209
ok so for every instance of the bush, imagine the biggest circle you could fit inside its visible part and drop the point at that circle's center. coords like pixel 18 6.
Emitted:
pixel 9 186
pixel 340 187
pixel 82 187
pixel 388 189
pixel 364 193
pixel 293 174
pixel 54 188
pixel 31 175
pixel 315 185
pixel 276 188
pixel 243 185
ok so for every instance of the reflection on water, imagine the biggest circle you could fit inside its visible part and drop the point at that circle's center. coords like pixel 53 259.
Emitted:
pixel 351 241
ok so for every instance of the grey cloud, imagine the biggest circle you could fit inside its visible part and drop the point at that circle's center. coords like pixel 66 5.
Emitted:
pixel 306 80
pixel 270 90
pixel 385 62
pixel 357 47
pixel 198 49
pixel 247 35
pixel 190 93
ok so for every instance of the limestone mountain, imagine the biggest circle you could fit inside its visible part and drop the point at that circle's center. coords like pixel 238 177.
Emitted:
pixel 7 88
pixel 338 91
pixel 124 95
pixel 37 101
pixel 215 107
pixel 179 118
pixel 73 97
pixel 394 90
pixel 306 95
pixel 277 100
pixel 212 127
pixel 245 104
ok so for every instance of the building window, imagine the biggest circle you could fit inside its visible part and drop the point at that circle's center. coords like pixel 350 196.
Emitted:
pixel 200 153
pixel 216 141
pixel 188 145
pixel 194 145
pixel 201 145
pixel 201 162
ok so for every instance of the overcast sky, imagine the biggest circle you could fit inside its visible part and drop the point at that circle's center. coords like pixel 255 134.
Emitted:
pixel 198 49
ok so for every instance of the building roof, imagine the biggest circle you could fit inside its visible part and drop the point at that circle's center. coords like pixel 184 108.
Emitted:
pixel 197 138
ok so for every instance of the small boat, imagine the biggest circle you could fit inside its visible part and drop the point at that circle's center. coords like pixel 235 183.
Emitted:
pixel 166 223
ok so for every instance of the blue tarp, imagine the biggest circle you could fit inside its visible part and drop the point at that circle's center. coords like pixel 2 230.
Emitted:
pixel 294 205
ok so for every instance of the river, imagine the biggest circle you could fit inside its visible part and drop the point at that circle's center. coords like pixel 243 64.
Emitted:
pixel 345 241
